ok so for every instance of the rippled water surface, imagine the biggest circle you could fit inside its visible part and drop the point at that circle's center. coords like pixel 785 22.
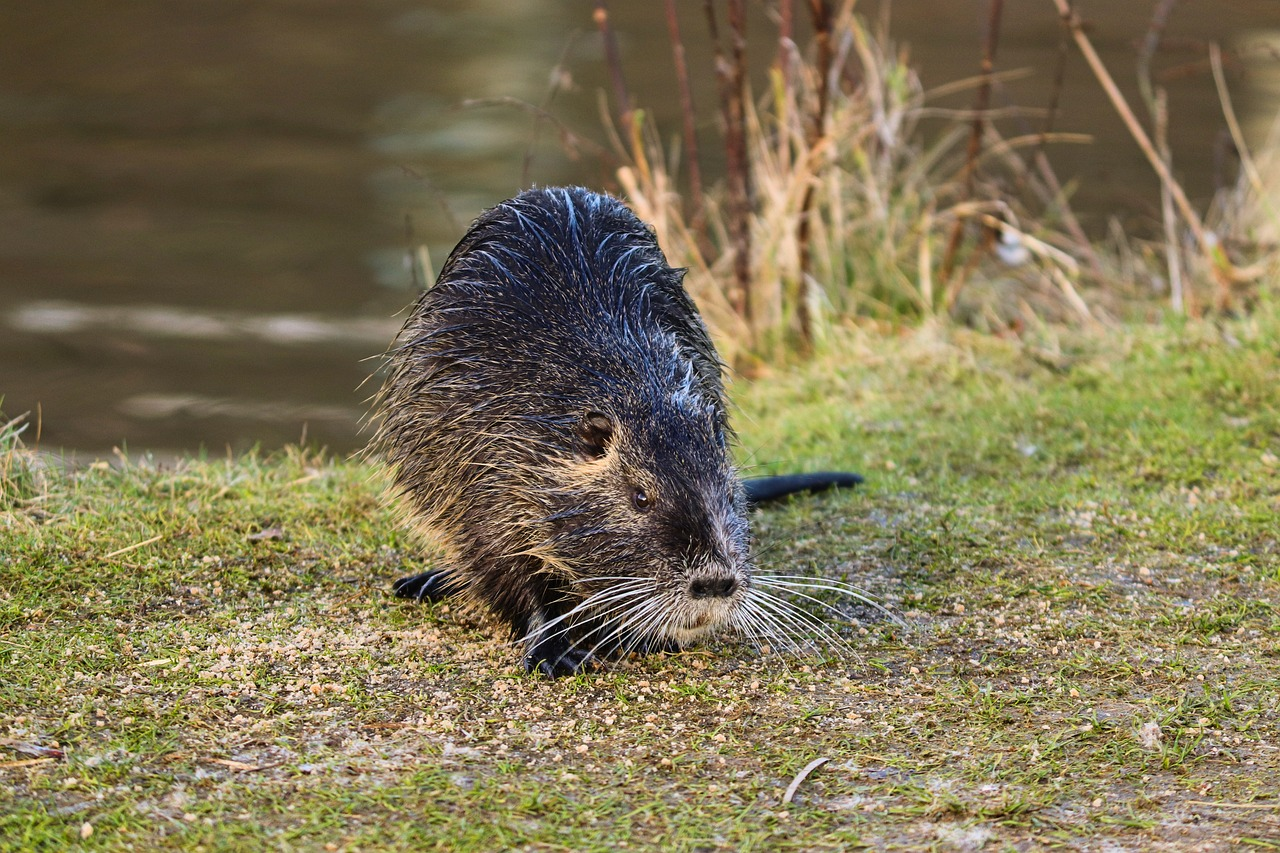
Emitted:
pixel 205 207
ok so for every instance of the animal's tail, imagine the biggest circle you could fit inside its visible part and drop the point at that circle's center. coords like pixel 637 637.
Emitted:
pixel 763 489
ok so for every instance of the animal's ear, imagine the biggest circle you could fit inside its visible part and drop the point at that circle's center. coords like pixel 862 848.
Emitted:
pixel 595 432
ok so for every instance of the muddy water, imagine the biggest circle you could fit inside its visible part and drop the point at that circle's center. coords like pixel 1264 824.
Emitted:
pixel 204 207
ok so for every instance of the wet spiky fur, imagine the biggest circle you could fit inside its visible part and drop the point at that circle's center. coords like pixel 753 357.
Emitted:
pixel 554 415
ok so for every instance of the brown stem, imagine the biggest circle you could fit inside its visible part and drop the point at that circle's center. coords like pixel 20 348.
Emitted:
pixel 698 214
pixel 981 101
pixel 1135 130
pixel 1069 220
pixel 1157 103
pixel 732 78
pixel 1083 245
pixel 1150 44
pixel 820 11
pixel 1172 250
pixel 613 59
pixel 782 61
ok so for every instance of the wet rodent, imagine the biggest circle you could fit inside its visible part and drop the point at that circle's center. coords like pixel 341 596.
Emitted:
pixel 554 416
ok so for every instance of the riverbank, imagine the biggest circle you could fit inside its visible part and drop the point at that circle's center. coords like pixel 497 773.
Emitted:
pixel 1081 537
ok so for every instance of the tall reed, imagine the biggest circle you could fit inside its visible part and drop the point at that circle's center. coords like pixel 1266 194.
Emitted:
pixel 850 202
pixel 837 207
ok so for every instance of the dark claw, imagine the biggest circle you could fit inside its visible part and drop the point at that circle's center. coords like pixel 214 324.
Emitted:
pixel 429 586
pixel 555 658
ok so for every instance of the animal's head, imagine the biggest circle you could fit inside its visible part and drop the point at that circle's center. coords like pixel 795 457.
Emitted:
pixel 649 520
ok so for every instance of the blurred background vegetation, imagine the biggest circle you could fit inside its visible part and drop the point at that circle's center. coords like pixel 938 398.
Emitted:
pixel 213 212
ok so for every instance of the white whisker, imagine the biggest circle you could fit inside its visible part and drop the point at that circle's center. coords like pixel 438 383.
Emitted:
pixel 624 613
pixel 796 582
pixel 755 624
pixel 801 621
pixel 792 627
pixel 625 626
pixel 592 603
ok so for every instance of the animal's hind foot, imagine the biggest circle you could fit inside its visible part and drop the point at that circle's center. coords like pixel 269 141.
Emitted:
pixel 430 586
pixel 555 658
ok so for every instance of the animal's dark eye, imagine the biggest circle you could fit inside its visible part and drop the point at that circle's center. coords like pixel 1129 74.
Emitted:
pixel 640 499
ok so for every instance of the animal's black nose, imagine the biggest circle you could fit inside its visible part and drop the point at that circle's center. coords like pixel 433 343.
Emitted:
pixel 713 587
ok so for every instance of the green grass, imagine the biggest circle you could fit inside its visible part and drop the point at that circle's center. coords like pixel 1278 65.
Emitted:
pixel 1084 548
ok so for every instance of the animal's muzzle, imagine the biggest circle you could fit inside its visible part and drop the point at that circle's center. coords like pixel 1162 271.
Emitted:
pixel 716 586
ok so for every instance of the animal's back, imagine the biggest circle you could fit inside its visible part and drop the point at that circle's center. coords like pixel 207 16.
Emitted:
pixel 553 299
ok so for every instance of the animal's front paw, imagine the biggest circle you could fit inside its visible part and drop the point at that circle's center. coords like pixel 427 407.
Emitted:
pixel 430 586
pixel 556 658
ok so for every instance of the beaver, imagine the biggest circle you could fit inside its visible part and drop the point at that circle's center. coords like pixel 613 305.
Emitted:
pixel 554 415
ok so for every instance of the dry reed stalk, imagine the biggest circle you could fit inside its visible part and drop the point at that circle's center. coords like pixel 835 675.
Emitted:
pixel 1082 242
pixel 786 51
pixel 613 59
pixel 732 78
pixel 1055 91
pixel 1261 196
pixel 1237 135
pixel 982 100
pixel 785 63
pixel 844 179
pixel 698 211
pixel 1157 101
pixel 1150 44
pixel 820 12
pixel 1219 266
pixel 738 162
pixel 1180 299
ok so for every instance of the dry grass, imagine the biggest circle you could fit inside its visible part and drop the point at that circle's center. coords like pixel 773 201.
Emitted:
pixel 883 198
pixel 881 202
pixel 21 479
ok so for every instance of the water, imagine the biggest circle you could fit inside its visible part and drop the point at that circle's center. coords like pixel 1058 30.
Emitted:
pixel 205 207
